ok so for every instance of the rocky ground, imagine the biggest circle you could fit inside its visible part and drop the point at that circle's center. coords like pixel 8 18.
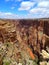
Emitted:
pixel 23 43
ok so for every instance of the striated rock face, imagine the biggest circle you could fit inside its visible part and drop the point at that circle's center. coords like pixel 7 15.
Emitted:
pixel 7 31
pixel 46 27
pixel 28 31
pixel 23 39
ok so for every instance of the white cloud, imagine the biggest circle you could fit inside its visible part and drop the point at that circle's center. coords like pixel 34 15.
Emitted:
pixel 8 15
pixel 39 12
pixel 18 0
pixel 13 7
pixel 39 0
pixel 43 4
pixel 26 5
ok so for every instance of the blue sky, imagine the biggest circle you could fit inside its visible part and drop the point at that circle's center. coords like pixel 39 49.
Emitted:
pixel 24 9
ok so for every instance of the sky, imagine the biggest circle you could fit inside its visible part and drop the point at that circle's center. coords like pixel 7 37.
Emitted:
pixel 24 9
